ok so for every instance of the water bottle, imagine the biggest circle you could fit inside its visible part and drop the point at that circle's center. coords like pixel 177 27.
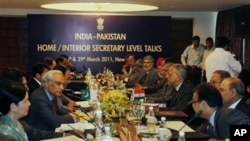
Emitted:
pixel 151 120
pixel 163 122
pixel 181 136
pixel 99 122
pixel 107 136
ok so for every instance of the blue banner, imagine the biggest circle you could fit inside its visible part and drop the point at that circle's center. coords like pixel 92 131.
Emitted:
pixel 97 41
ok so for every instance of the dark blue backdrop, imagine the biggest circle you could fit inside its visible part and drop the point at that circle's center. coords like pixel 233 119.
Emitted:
pixel 52 35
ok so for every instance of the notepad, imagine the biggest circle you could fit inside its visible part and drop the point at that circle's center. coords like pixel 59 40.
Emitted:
pixel 84 104
pixel 66 138
pixel 79 126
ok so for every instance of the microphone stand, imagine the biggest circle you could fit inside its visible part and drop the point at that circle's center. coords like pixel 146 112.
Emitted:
pixel 195 116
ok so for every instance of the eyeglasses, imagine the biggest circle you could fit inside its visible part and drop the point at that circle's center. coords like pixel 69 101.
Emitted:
pixel 214 82
pixel 193 102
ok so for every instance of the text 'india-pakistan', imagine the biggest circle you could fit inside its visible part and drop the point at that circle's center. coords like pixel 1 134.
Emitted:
pixel 100 36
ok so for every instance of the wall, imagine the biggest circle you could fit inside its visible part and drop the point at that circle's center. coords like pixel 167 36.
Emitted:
pixel 203 25
pixel 204 22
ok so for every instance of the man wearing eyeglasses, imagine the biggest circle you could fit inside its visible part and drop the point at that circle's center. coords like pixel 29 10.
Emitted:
pixel 44 112
pixel 208 100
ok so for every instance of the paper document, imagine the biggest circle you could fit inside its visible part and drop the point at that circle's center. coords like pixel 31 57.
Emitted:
pixel 176 125
pixel 67 138
pixel 83 103
pixel 79 126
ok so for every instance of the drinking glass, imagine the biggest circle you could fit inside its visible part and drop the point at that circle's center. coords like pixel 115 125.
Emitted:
pixel 139 113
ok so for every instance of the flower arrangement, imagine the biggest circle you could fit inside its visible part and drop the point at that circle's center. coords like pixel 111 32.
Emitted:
pixel 114 103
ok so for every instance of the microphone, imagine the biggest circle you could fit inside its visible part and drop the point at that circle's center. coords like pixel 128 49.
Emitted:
pixel 81 108
pixel 195 116
pixel 186 106
pixel 76 134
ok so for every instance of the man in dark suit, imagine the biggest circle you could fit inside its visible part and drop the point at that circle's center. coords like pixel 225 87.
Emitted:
pixel 37 72
pixel 208 99
pixel 64 60
pixel 64 102
pixel 17 75
pixel 129 68
pixel 44 111
pixel 183 89
pixel 232 91
pixel 161 95
pixel 133 77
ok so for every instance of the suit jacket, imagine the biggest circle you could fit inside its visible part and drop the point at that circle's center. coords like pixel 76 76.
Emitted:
pixel 148 78
pixel 162 95
pixel 33 85
pixel 180 99
pixel 62 101
pixel 243 107
pixel 224 117
pixel 37 135
pixel 159 84
pixel 41 115
pixel 132 78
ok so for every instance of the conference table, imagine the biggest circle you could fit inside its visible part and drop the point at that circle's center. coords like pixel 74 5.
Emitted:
pixel 87 125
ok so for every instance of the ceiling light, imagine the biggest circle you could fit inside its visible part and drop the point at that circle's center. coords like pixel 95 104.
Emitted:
pixel 99 6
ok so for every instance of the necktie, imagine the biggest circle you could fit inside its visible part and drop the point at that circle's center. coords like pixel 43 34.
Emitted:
pixel 159 82
pixel 54 105
pixel 204 126
pixel 144 80
pixel 210 129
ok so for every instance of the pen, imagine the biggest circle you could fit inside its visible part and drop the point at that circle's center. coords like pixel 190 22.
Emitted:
pixel 74 132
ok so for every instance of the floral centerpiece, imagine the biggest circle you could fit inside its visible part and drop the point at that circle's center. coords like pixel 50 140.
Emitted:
pixel 114 103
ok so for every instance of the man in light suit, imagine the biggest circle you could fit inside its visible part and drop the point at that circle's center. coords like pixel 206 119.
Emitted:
pixel 208 100
pixel 43 115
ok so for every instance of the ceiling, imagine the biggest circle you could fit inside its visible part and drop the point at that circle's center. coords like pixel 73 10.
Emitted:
pixel 164 5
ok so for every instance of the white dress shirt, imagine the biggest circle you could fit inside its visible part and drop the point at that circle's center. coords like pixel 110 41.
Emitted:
pixel 221 60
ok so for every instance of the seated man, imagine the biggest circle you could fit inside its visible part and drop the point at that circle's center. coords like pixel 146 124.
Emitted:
pixel 44 111
pixel 129 68
pixel 148 78
pixel 17 75
pixel 133 78
pixel 217 77
pixel 63 60
pixel 183 89
pixel 37 72
pixel 208 100
pixel 65 103
pixel 161 95
pixel 232 91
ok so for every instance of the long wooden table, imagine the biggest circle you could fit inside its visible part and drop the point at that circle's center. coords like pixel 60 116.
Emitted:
pixel 173 123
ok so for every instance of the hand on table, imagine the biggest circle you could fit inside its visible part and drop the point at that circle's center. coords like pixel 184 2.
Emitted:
pixel 72 104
